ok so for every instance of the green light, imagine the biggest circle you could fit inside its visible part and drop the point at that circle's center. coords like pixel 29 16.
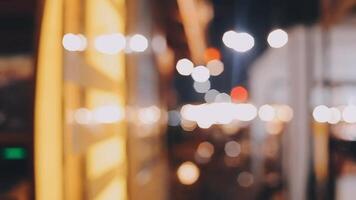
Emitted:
pixel 14 153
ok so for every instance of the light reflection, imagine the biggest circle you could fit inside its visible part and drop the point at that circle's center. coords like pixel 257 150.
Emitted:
pixel 321 114
pixel 159 44
pixel 245 179
pixel 108 114
pixel 240 42
pixel 335 116
pixel 185 67
pixel 103 114
pixel 216 67
pixel 349 114
pixel 232 149
pixel 188 125
pixel 210 95
pixel 277 38
pixel 267 113
pixel 83 116
pixel 222 97
pixel 110 43
pixel 74 42
pixel 200 74
pixel 239 94
pixel 274 127
pixel 231 128
pixel 218 113
pixel 202 87
pixel 188 173
pixel 149 115
pixel 284 113
pixel 138 43
pixel 205 151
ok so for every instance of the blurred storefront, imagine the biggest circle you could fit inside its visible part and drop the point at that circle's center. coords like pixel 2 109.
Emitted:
pixel 92 85
pixel 177 99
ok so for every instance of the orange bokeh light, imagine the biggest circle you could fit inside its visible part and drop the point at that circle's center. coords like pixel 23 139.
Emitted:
pixel 239 94
pixel 212 54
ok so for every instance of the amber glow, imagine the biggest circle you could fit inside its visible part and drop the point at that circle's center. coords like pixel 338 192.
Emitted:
pixel 102 18
pixel 114 191
pixel 188 173
pixel 48 106
pixel 212 54
pixel 105 156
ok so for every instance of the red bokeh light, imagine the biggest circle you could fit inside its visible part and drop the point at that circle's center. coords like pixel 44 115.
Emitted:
pixel 239 94
pixel 212 54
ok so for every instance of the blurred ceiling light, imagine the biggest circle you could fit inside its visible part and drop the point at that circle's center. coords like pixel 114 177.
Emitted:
pixel 83 116
pixel 188 173
pixel 74 42
pixel 211 95
pixel 205 150
pixel 216 67
pixel 110 44
pixel 149 115
pixel 222 97
pixel 245 179
pixel 240 42
pixel 349 114
pixel 138 43
pixel 202 87
pixel 277 38
pixel 108 114
pixel 212 54
pixel 267 113
pixel 284 113
pixel 321 113
pixel 232 149
pixel 185 67
pixel 239 94
pixel 174 118
pixel 335 116
pixel 159 44
pixel 200 74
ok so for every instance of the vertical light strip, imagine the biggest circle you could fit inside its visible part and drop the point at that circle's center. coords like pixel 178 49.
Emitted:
pixel 48 108
pixel 193 30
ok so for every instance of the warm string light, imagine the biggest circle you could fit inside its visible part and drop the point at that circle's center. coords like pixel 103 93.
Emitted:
pixel 335 115
pixel 221 112
pixel 74 42
pixel 112 44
